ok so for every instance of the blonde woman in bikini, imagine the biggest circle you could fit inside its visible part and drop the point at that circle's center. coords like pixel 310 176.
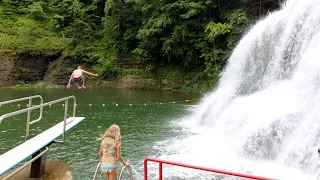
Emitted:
pixel 110 151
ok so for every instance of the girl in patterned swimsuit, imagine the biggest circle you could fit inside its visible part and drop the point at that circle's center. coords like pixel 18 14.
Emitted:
pixel 110 150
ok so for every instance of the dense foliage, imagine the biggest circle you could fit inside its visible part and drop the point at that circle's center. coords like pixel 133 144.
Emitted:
pixel 180 39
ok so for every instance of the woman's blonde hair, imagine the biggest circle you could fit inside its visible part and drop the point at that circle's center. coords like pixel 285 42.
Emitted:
pixel 112 136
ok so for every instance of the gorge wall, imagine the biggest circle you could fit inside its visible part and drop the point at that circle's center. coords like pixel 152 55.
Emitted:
pixel 28 68
pixel 24 68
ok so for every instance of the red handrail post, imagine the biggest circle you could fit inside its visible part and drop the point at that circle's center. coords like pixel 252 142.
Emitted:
pixel 160 170
pixel 145 168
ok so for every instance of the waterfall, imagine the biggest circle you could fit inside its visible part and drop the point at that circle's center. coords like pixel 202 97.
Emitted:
pixel 264 116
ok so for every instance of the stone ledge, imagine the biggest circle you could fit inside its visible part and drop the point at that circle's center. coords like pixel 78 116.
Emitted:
pixel 54 170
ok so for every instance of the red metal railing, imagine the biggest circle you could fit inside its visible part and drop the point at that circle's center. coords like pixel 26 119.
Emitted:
pixel 196 167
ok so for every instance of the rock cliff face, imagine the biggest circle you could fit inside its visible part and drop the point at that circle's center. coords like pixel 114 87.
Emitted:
pixel 54 69
pixel 6 68
pixel 27 68
pixel 59 71
pixel 33 68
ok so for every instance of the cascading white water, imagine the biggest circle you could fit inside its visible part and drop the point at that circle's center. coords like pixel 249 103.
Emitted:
pixel 264 116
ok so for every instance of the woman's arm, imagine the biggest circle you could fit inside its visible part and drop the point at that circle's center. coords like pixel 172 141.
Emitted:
pixel 100 154
pixel 120 157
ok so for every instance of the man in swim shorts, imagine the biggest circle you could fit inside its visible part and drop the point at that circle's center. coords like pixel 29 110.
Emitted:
pixel 77 77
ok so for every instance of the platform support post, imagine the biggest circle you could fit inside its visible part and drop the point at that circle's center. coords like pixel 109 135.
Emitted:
pixel 38 166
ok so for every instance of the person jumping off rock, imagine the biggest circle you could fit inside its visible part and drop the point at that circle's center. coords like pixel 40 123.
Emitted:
pixel 77 77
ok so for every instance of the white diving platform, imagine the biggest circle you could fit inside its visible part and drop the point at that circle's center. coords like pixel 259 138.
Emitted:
pixel 21 152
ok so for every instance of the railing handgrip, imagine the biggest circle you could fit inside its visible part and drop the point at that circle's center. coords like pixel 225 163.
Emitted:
pixel 28 120
pixel 35 107
pixel 65 118
pixel 95 173
pixel 122 170
pixel 30 108
pixel 41 112
pixel 29 105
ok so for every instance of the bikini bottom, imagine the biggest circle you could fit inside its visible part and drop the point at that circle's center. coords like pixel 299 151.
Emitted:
pixel 105 167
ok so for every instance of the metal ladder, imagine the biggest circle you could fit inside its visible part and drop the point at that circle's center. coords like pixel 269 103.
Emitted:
pixel 121 172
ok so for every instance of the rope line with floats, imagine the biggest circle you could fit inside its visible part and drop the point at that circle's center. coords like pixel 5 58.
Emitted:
pixel 118 104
